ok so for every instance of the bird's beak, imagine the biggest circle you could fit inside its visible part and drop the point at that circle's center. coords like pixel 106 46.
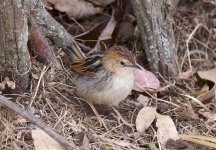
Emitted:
pixel 134 66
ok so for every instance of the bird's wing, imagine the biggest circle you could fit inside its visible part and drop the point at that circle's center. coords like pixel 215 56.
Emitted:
pixel 88 67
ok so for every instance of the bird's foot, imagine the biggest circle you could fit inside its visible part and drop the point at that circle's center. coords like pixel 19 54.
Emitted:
pixel 120 119
pixel 100 120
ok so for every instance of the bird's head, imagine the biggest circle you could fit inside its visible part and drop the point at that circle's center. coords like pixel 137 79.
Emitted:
pixel 119 59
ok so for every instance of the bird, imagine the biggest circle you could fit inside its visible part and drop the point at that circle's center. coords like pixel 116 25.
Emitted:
pixel 105 78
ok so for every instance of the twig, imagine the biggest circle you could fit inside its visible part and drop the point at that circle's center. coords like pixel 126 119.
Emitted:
pixel 197 101
pixel 187 45
pixel 203 140
pixel 68 145
pixel 39 81
pixel 213 126
pixel 158 99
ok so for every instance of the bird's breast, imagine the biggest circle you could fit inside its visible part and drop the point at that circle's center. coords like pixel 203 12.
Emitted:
pixel 109 92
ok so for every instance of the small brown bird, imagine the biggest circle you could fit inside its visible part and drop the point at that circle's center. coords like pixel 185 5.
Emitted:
pixel 105 78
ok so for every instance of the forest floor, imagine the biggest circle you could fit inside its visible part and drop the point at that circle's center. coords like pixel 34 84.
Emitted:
pixel 55 101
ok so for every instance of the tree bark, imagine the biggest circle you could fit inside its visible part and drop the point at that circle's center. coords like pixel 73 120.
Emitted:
pixel 54 30
pixel 14 32
pixel 14 55
pixel 155 23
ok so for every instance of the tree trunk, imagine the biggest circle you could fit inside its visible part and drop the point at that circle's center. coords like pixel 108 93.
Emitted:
pixel 155 23
pixel 54 30
pixel 14 55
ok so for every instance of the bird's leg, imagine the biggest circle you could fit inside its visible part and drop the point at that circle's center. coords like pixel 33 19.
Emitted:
pixel 98 116
pixel 121 118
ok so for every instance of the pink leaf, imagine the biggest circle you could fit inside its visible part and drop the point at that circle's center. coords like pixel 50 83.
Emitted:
pixel 145 80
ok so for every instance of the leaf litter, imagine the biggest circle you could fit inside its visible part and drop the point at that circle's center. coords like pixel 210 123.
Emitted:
pixel 56 102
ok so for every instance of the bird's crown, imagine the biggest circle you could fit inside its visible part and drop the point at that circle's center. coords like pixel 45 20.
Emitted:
pixel 114 60
pixel 118 53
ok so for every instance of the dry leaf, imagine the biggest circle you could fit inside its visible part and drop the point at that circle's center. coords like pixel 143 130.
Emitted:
pixel 85 143
pixel 165 126
pixel 7 84
pixel 42 141
pixel 92 34
pixel 136 32
pixel 145 80
pixel 102 3
pixel 144 100
pixel 207 95
pixel 11 84
pixel 2 86
pixel 166 129
pixel 145 118
pixel 205 88
pixel 208 75
pixel 41 46
pixel 106 33
pixel 19 119
pixel 35 76
pixel 75 8
pixel 186 75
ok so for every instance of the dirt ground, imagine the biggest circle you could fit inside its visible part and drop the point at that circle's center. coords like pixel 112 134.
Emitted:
pixel 55 101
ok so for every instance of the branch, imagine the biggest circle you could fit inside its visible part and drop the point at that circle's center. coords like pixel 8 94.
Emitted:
pixel 53 30
pixel 69 146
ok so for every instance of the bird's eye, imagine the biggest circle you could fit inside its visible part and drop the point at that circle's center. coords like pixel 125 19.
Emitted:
pixel 122 63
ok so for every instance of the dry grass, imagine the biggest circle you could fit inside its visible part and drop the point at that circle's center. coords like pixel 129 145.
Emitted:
pixel 52 97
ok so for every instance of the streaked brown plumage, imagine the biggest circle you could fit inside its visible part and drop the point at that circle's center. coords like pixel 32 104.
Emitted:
pixel 105 78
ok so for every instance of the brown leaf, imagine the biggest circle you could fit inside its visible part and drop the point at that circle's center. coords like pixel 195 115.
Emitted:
pixel 108 30
pixel 92 34
pixel 11 84
pixel 144 100
pixel 186 75
pixel 75 8
pixel 85 143
pixel 43 141
pixel 7 84
pixel 207 95
pixel 2 86
pixel 145 118
pixel 102 3
pixel 145 80
pixel 106 34
pixel 166 129
pixel 19 120
pixel 207 75
pixel 40 45
pixel 205 88
pixel 35 76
